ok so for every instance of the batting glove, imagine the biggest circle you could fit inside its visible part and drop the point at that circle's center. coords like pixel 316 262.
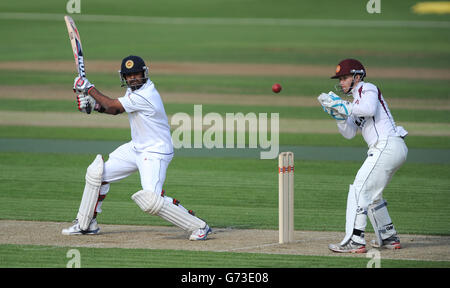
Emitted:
pixel 82 85
pixel 85 103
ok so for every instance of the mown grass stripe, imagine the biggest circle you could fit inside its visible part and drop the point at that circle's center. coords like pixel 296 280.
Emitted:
pixel 292 112
pixel 230 21
pixel 328 153
pixel 288 139
pixel 33 256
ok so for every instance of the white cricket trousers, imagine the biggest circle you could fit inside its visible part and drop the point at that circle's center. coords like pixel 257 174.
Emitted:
pixel 125 160
pixel 383 160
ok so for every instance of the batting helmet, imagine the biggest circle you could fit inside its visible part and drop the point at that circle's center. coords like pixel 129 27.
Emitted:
pixel 132 64
pixel 349 67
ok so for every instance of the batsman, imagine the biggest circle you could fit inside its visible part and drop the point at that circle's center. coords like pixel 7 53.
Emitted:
pixel 368 113
pixel 149 152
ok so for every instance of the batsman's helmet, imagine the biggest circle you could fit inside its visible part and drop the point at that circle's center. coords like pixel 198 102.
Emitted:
pixel 349 67
pixel 132 64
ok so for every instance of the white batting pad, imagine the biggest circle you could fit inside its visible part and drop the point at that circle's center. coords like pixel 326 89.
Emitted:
pixel 352 206
pixel 148 201
pixel 155 204
pixel 90 194
pixel 381 221
pixel 180 217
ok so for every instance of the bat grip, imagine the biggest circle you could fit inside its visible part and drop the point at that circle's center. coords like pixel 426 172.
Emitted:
pixel 81 73
pixel 88 107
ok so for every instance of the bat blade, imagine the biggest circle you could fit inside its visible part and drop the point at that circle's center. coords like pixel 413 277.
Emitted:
pixel 77 49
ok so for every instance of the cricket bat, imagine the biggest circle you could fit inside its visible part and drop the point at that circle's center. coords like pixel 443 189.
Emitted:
pixel 77 49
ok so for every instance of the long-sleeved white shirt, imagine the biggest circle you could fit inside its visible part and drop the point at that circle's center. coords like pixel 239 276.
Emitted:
pixel 371 114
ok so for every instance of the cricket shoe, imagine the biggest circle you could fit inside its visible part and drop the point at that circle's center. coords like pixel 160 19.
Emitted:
pixel 349 247
pixel 200 234
pixel 75 228
pixel 392 243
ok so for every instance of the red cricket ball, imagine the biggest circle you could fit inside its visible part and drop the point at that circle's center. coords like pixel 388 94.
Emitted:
pixel 276 88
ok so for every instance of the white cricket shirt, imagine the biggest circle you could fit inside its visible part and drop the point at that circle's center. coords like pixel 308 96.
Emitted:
pixel 371 114
pixel 150 129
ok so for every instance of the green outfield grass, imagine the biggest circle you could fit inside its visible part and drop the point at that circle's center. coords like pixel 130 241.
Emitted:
pixel 385 46
pixel 294 86
pixel 228 192
pixel 23 256
pixel 432 90
pixel 402 115
pixel 292 9
pixel 247 85
pixel 49 186
pixel 289 139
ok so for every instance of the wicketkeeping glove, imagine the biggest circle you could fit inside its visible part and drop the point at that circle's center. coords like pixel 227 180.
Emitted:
pixel 82 85
pixel 333 104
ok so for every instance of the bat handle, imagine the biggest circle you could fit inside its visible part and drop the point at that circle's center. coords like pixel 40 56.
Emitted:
pixel 81 73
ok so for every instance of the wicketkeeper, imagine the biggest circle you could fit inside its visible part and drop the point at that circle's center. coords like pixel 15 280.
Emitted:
pixel 369 113
pixel 149 152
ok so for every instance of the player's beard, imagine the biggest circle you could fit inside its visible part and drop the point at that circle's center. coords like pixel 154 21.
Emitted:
pixel 136 84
